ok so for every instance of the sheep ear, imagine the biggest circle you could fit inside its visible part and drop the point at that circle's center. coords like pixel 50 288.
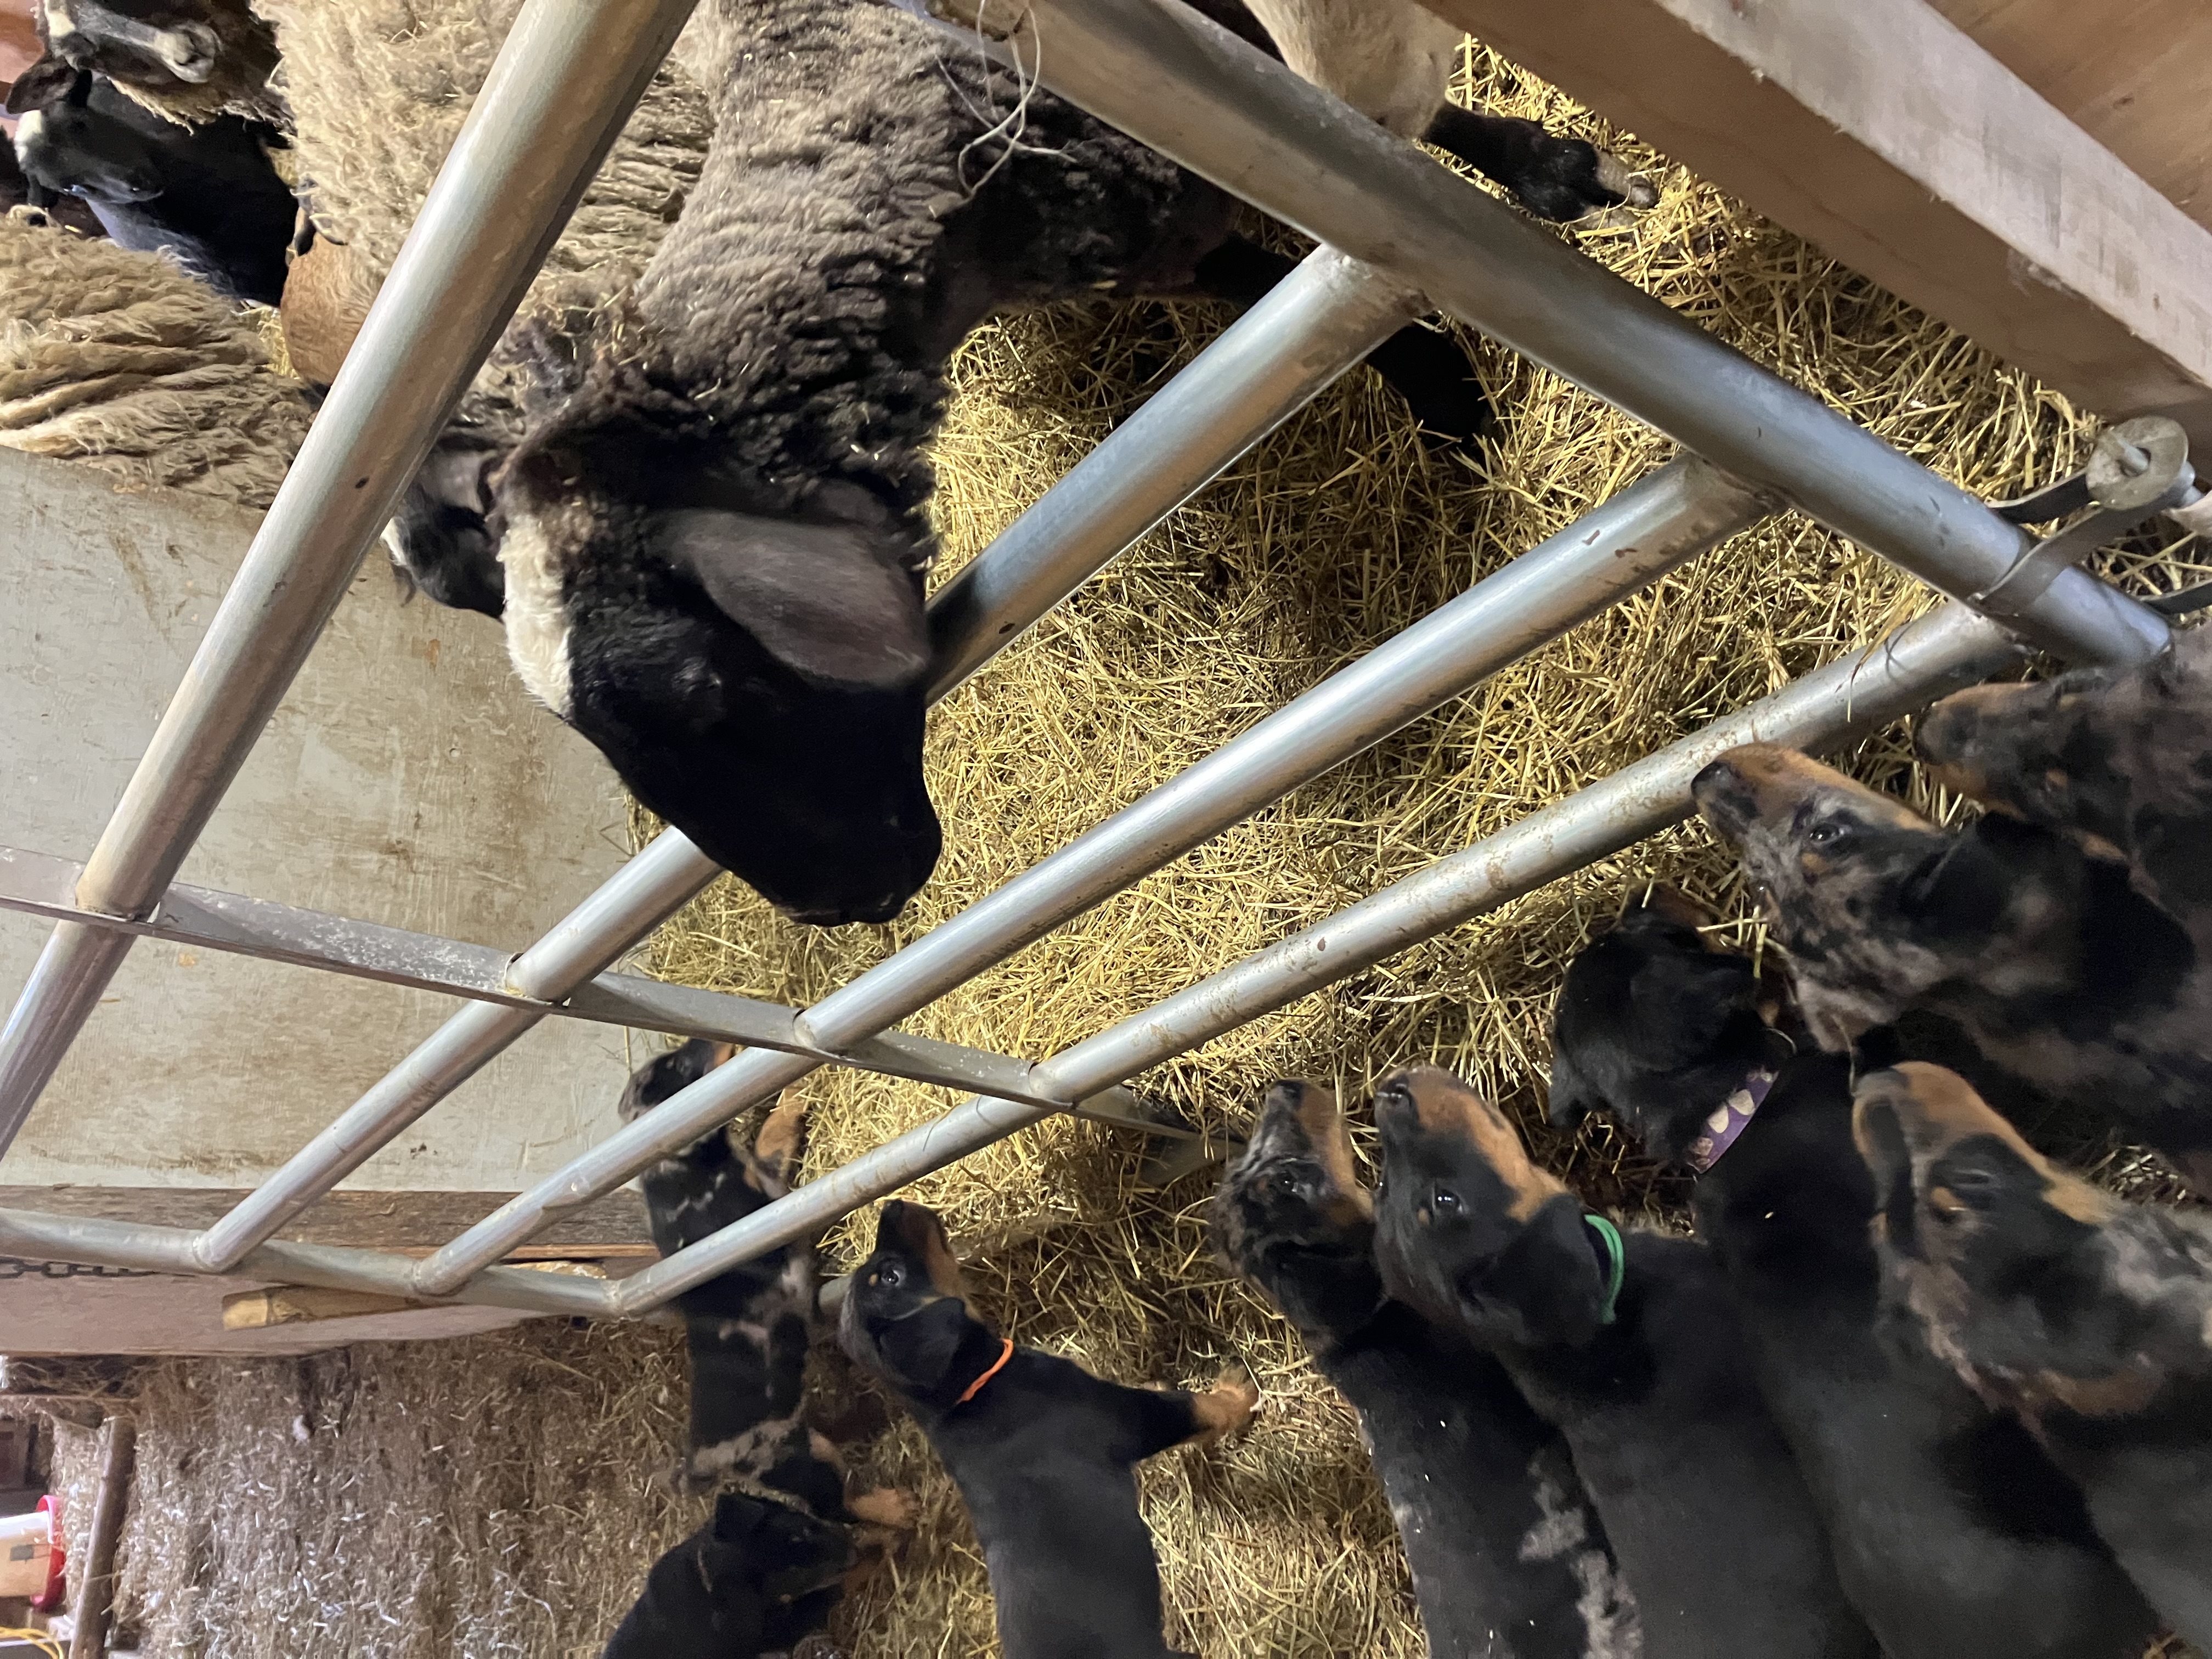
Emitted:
pixel 823 600
pixel 45 82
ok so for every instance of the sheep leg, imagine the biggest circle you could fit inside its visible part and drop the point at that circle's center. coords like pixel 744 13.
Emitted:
pixel 1427 368
pixel 1553 178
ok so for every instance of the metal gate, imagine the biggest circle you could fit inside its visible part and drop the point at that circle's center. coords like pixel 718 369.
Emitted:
pixel 1400 233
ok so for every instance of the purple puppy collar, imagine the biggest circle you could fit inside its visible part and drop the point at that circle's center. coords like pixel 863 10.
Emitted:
pixel 1719 1131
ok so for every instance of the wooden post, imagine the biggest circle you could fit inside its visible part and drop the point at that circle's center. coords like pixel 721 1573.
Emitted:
pixel 95 1593
pixel 1881 132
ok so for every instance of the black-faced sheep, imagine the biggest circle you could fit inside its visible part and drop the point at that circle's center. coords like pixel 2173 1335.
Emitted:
pixel 1954 1535
pixel 208 194
pixel 188 61
pixel 119 360
pixel 1630 1345
pixel 2089 1317
pixel 713 536
pixel 2047 956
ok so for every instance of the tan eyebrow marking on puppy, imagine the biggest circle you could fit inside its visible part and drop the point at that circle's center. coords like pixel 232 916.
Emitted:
pixel 1446 1106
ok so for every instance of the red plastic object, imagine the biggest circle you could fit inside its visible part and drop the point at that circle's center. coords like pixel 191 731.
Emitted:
pixel 51 1597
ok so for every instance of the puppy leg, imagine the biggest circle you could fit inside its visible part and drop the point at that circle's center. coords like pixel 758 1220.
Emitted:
pixel 1226 1407
pixel 885 1506
pixel 1164 1417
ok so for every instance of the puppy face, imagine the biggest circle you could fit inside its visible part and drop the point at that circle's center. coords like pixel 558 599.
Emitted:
pixel 666 1075
pixel 2005 1260
pixel 1655 1025
pixel 754 1576
pixel 2013 748
pixel 2114 759
pixel 906 1313
pixel 1471 1232
pixel 1291 1215
pixel 1874 903
pixel 1294 1182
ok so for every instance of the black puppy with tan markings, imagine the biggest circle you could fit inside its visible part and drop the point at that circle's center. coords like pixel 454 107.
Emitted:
pixel 2118 759
pixel 2089 1317
pixel 1508 1559
pixel 1954 1536
pixel 749 1328
pixel 784 1541
pixel 2047 955
pixel 1044 1452
pixel 1630 1346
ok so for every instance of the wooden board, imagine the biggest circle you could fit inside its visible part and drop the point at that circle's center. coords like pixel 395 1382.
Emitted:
pixel 305 1304
pixel 1882 133
pixel 414 1223
pixel 2135 75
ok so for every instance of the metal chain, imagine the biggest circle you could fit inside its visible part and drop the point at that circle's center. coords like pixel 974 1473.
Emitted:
pixel 12 1267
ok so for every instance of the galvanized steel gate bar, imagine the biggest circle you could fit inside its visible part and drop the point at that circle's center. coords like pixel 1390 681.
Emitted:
pixel 562 84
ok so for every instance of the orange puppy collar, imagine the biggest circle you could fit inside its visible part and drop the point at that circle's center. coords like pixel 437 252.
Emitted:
pixel 996 1366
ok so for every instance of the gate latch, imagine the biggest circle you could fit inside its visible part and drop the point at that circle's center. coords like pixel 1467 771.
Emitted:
pixel 2136 470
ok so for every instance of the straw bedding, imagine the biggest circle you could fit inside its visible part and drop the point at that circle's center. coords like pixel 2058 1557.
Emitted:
pixel 481 1498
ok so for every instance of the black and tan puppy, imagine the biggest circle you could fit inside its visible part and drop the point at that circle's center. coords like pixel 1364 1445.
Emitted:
pixel 1954 1535
pixel 784 1539
pixel 1508 1557
pixel 2089 1317
pixel 1631 1347
pixel 1044 1452
pixel 2047 956
pixel 2119 759
pixel 753 1581
pixel 749 1328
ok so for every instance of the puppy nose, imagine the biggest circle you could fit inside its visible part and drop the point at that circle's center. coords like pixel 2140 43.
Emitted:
pixel 1718 775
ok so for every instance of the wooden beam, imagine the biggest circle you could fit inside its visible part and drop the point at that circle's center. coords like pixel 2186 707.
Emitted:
pixel 408 1222
pixel 2135 75
pixel 95 1592
pixel 1879 131
pixel 301 1304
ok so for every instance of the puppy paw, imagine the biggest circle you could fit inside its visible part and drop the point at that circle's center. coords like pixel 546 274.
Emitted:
pixel 777 1147
pixel 1227 1405
pixel 886 1506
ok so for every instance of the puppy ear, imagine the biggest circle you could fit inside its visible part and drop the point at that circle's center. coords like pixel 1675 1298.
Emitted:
pixel 45 83
pixel 825 601
pixel 1888 1158
pixel 1572 1097
pixel 918 1350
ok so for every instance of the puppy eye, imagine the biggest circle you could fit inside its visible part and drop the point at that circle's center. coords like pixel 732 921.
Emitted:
pixel 1826 835
pixel 890 1275
pixel 1444 1201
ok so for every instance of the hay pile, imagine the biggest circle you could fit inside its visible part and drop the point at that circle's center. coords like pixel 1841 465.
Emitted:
pixel 1336 534
pixel 484 1497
